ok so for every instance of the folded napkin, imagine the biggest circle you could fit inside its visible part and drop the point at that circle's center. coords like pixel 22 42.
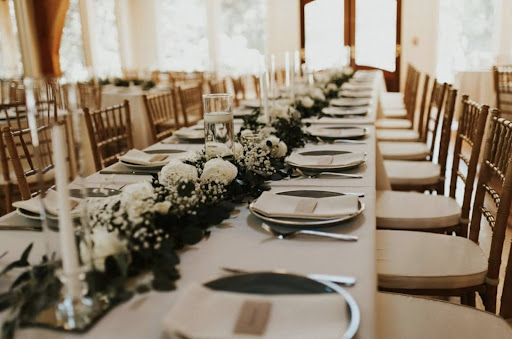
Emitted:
pixel 284 206
pixel 356 87
pixel 334 110
pixel 202 313
pixel 50 202
pixel 134 156
pixel 325 161
pixel 190 133
pixel 336 133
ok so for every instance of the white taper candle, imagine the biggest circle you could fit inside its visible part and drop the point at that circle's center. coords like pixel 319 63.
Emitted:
pixel 68 248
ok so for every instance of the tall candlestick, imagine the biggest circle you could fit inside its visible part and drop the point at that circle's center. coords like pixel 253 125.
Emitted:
pixel 287 69
pixel 273 77
pixel 263 89
pixel 297 64
pixel 69 251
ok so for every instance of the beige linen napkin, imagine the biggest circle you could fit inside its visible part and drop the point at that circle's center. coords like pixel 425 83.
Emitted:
pixel 201 313
pixel 336 133
pixel 50 201
pixel 325 161
pixel 134 156
pixel 283 206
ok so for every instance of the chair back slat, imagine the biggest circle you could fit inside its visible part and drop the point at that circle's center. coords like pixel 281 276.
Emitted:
pixel 89 95
pixel 433 115
pixel 239 91
pixel 495 181
pixel 412 94
pixel 110 133
pixel 503 88
pixel 217 87
pixel 471 128
pixel 191 104
pixel 423 106
pixel 161 113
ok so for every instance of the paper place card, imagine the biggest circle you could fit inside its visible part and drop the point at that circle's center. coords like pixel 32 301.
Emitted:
pixel 306 206
pixel 253 317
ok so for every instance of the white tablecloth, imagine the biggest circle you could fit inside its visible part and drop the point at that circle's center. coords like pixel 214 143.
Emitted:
pixel 239 242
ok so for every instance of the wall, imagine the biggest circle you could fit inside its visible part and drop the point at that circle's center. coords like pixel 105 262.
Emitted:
pixel 504 29
pixel 419 36
pixel 283 27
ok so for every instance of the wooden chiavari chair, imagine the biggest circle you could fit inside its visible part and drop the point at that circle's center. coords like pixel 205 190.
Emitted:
pixel 89 95
pixel 435 264
pixel 503 88
pixel 254 82
pixel 428 129
pixel 401 134
pixel 162 114
pixel 110 133
pixel 17 152
pixel 11 91
pixel 435 213
pixel 238 89
pixel 191 104
pixel 217 87
pixel 394 104
pixel 426 175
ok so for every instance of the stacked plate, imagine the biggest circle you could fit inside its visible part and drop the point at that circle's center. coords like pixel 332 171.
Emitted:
pixel 337 132
pixel 306 208
pixel 344 111
pixel 356 94
pixel 350 102
pixel 136 159
pixel 326 160
pixel 190 134
pixel 251 103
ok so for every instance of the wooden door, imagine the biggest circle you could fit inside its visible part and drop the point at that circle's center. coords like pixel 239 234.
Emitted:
pixel 371 28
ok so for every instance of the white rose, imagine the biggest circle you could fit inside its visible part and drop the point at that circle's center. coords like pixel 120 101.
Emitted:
pixel 162 207
pixel 262 119
pixel 317 94
pixel 307 102
pixel 219 170
pixel 247 133
pixel 104 243
pixel 214 149
pixel 238 150
pixel 266 131
pixel 332 87
pixel 301 90
pixel 138 191
pixel 280 150
pixel 176 171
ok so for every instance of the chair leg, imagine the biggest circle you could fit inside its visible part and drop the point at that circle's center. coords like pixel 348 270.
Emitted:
pixel 469 299
pixel 8 198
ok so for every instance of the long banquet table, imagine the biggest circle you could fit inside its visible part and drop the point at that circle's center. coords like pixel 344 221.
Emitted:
pixel 239 242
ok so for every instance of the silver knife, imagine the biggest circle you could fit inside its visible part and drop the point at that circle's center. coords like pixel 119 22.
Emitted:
pixel 339 279
pixel 126 172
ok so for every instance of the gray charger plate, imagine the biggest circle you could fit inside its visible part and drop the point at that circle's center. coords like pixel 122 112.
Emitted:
pixel 271 283
pixel 364 134
pixel 328 169
pixel 307 223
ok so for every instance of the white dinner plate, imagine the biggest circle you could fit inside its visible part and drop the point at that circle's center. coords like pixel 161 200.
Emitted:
pixel 308 223
pixel 356 94
pixel 341 111
pixel 347 102
pixel 351 132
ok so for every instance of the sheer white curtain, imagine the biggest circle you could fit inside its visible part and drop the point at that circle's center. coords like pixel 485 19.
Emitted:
pixel 10 58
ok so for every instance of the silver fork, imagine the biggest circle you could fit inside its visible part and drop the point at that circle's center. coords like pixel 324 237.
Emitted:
pixel 316 174
pixel 290 234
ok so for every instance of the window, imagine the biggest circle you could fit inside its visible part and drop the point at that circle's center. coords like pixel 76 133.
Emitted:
pixel 465 37
pixel 10 56
pixel 324 27
pixel 106 39
pixel 182 38
pixel 71 46
pixel 242 35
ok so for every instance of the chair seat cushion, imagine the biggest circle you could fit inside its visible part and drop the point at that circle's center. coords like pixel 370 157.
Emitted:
pixel 404 150
pixel 398 135
pixel 413 210
pixel 392 100
pixel 404 316
pixel 393 123
pixel 394 112
pixel 421 260
pixel 413 173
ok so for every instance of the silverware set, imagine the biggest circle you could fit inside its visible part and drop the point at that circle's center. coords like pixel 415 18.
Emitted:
pixel 315 174
pixel 290 234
